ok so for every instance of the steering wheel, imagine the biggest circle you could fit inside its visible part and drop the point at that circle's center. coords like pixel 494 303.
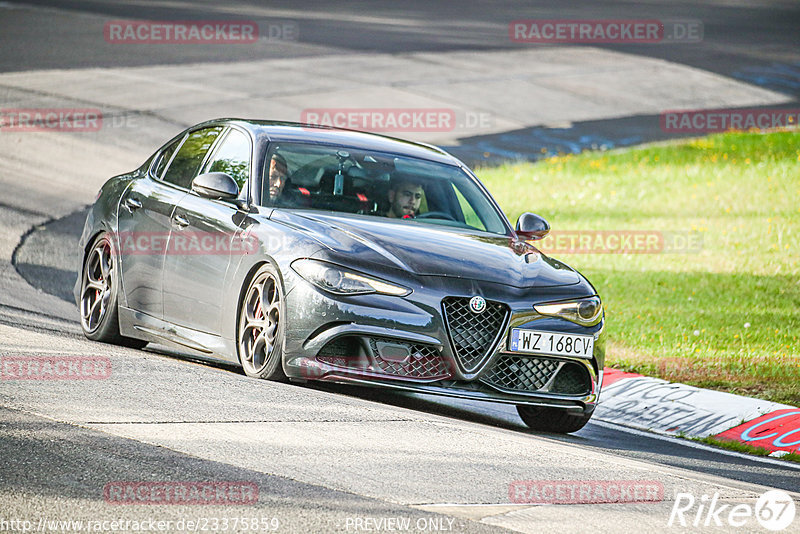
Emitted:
pixel 435 215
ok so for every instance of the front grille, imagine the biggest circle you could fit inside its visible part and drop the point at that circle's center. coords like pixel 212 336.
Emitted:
pixel 424 361
pixel 473 335
pixel 520 374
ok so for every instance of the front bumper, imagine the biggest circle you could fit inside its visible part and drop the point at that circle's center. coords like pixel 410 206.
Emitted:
pixel 405 344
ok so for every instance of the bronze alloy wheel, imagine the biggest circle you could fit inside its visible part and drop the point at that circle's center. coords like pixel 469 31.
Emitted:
pixel 261 326
pixel 97 285
pixel 99 318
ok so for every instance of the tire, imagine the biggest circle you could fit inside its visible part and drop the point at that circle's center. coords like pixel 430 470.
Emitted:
pixel 98 297
pixel 261 326
pixel 552 419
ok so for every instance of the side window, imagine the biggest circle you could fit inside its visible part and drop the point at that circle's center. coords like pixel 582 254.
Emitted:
pixel 190 156
pixel 165 156
pixel 232 157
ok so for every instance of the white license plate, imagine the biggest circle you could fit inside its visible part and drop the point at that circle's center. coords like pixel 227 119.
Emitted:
pixel 551 343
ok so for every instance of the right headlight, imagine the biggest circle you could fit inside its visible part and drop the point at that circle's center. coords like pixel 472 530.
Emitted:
pixel 341 281
pixel 585 312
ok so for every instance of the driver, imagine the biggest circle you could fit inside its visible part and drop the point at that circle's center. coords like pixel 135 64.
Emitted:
pixel 405 196
pixel 282 194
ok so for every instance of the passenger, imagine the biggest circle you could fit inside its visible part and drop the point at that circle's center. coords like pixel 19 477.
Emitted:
pixel 278 175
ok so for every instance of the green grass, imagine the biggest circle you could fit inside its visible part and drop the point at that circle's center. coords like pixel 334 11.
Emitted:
pixel 725 317
pixel 745 448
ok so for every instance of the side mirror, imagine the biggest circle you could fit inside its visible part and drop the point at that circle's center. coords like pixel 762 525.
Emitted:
pixel 532 226
pixel 216 185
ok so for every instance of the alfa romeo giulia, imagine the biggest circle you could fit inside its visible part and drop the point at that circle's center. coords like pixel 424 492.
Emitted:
pixel 313 253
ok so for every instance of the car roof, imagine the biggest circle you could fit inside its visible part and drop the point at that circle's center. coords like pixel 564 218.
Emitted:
pixel 310 133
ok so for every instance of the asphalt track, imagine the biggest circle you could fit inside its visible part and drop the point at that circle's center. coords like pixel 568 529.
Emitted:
pixel 320 456
pixel 758 44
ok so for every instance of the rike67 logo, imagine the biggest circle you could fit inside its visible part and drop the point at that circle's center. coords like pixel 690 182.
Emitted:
pixel 774 510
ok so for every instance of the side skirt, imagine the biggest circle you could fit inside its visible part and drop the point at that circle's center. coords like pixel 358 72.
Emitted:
pixel 140 325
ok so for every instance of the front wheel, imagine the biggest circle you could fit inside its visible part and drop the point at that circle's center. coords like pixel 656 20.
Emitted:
pixel 261 326
pixel 99 282
pixel 552 419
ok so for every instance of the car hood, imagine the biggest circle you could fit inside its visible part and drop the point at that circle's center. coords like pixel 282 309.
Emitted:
pixel 427 249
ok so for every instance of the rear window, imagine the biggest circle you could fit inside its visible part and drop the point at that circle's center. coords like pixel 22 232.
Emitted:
pixel 165 157
pixel 190 156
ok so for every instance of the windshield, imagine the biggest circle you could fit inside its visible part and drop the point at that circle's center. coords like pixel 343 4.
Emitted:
pixel 348 180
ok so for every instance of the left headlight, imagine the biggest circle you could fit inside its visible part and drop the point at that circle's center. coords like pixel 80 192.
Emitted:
pixel 585 312
pixel 340 281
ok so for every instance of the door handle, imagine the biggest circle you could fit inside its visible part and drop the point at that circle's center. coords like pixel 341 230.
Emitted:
pixel 181 221
pixel 131 204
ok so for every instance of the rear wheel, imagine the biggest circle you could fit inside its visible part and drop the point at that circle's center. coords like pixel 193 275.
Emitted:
pixel 261 326
pixel 99 282
pixel 552 419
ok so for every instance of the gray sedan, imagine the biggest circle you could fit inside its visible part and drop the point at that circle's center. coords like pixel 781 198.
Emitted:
pixel 309 253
